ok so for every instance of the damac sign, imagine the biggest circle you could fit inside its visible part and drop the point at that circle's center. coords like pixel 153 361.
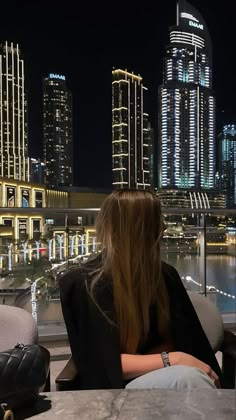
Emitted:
pixel 196 25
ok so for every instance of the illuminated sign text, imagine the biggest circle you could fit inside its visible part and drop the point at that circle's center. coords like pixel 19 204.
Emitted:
pixel 196 25
pixel 56 76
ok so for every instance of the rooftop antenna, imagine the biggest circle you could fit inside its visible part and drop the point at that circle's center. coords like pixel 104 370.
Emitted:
pixel 177 13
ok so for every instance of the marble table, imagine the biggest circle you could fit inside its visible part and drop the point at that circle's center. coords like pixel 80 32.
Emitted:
pixel 134 405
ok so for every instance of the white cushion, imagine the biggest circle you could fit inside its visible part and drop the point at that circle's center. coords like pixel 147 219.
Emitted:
pixel 16 325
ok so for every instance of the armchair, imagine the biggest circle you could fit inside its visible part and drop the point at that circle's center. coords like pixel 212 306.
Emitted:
pixel 17 325
pixel 220 339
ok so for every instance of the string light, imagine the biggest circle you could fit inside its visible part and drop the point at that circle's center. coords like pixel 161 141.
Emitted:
pixel 221 292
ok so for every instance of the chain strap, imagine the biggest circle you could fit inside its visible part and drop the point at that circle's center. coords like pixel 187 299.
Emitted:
pixel 7 413
pixel 20 346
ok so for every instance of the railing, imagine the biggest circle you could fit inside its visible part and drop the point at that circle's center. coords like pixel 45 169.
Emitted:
pixel 201 244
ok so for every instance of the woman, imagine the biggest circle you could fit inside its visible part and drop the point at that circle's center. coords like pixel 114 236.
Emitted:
pixel 129 319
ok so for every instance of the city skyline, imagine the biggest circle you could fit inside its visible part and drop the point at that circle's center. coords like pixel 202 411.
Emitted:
pixel 100 46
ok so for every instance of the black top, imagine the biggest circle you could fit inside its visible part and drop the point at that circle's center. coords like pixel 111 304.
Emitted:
pixel 153 338
pixel 94 341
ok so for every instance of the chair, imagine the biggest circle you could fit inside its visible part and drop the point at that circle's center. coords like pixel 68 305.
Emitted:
pixel 220 339
pixel 17 325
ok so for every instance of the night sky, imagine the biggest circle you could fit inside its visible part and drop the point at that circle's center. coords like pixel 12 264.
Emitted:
pixel 85 44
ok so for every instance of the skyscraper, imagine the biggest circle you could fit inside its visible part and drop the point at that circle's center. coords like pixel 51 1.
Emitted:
pixel 130 147
pixel 14 162
pixel 227 163
pixel 57 131
pixel 187 105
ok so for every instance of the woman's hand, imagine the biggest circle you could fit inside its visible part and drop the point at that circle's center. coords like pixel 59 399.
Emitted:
pixel 179 358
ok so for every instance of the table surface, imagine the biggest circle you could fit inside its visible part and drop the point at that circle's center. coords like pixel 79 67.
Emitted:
pixel 134 405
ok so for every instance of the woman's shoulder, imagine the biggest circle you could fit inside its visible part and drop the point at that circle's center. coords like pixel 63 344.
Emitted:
pixel 77 277
pixel 167 268
pixel 170 273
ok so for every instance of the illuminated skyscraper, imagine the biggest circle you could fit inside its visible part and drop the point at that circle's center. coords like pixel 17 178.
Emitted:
pixel 14 162
pixel 187 105
pixel 130 140
pixel 57 131
pixel 227 163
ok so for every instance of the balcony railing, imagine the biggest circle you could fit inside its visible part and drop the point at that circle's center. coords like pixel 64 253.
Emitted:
pixel 201 244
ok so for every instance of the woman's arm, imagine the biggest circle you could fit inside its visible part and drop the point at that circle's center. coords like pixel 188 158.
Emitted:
pixel 136 365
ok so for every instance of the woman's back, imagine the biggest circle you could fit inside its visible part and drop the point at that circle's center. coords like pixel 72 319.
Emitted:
pixel 129 229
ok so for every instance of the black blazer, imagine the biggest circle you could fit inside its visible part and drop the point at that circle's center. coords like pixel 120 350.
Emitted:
pixel 94 342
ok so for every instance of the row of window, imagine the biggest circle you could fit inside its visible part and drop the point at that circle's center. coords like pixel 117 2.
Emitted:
pixel 11 196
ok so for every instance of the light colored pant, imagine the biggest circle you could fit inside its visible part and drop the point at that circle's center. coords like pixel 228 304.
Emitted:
pixel 173 377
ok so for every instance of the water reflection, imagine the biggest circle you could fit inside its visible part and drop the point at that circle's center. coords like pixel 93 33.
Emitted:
pixel 221 273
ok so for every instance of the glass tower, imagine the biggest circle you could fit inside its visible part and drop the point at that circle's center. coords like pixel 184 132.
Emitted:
pixel 14 162
pixel 227 163
pixel 130 138
pixel 187 105
pixel 57 131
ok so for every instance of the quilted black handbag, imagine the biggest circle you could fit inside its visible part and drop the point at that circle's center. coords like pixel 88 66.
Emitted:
pixel 23 374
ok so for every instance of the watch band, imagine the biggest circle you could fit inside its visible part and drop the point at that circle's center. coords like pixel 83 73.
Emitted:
pixel 165 358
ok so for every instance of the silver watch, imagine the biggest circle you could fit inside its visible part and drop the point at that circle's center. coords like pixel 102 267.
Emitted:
pixel 165 358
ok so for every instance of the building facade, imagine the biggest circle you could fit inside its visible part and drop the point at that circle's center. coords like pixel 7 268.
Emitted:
pixel 14 162
pixel 190 199
pixel 187 105
pixel 57 131
pixel 148 138
pixel 37 221
pixel 227 163
pixel 15 197
pixel 130 140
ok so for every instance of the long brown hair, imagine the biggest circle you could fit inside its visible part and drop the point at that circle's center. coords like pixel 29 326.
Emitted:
pixel 129 228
